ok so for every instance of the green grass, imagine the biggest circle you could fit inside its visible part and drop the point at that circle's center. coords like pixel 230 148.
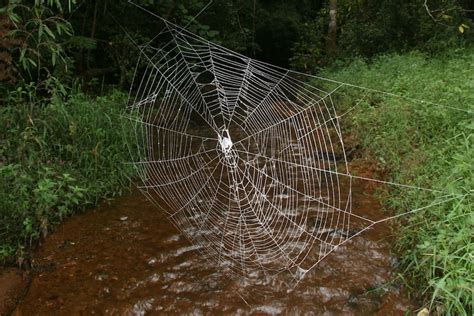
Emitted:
pixel 426 146
pixel 56 159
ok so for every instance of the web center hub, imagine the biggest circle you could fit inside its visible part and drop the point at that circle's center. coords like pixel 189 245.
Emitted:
pixel 225 142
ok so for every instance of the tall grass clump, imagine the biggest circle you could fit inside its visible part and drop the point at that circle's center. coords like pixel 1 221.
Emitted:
pixel 55 159
pixel 427 146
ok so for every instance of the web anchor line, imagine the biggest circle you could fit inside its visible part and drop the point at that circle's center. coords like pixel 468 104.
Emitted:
pixel 247 159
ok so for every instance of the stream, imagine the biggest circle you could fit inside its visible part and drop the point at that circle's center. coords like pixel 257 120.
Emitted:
pixel 126 258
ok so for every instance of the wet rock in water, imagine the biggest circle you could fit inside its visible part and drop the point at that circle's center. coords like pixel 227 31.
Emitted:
pixel 141 307
pixel 275 308
pixel 13 285
pixel 327 294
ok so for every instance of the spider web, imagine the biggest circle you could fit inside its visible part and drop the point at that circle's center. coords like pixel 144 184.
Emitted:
pixel 247 159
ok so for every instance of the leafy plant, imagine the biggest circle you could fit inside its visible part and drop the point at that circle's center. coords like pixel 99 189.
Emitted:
pixel 427 146
pixel 55 160
pixel 41 31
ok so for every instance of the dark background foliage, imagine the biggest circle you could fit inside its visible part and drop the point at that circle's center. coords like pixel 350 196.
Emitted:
pixel 89 40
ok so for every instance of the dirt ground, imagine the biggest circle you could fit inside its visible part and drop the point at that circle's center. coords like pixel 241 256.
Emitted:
pixel 13 286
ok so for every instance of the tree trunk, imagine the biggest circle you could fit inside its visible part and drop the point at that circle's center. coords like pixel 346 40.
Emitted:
pixel 332 31
pixel 93 29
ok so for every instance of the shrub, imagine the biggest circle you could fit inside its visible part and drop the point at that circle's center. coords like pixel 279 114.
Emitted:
pixel 55 160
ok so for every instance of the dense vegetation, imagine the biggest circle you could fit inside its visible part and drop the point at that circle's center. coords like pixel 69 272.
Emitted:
pixel 425 146
pixel 64 65
pixel 64 156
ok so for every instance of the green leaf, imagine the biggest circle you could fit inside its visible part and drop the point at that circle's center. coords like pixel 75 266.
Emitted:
pixel 62 89
pixel 40 31
pixel 82 42
pixel 15 18
pixel 212 33
pixel 22 54
pixel 31 61
pixel 50 33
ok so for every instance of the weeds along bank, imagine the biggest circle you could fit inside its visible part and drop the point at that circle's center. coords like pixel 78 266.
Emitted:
pixel 56 159
pixel 425 146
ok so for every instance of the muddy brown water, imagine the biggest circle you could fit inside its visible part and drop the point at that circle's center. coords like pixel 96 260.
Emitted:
pixel 126 258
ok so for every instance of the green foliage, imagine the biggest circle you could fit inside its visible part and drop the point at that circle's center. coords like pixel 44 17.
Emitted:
pixel 63 38
pixel 41 31
pixel 123 52
pixel 277 28
pixel 377 26
pixel 428 146
pixel 81 42
pixel 55 160
pixel 371 27
pixel 33 200
pixel 308 52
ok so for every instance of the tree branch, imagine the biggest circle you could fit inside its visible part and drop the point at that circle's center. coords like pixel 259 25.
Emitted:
pixel 437 21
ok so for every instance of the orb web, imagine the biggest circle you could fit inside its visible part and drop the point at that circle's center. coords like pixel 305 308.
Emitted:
pixel 246 159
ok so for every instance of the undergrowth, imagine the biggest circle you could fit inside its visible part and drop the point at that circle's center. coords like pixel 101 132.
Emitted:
pixel 427 146
pixel 56 159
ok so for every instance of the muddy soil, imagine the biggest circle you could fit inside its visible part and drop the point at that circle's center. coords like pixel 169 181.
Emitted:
pixel 13 285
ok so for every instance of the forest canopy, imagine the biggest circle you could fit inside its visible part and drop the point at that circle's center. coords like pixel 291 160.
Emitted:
pixel 61 41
